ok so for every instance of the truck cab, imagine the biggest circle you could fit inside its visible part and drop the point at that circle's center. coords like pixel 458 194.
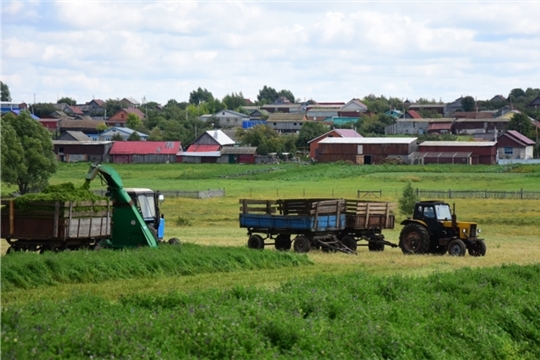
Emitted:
pixel 147 201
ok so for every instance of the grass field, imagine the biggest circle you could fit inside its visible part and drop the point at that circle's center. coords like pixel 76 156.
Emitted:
pixel 511 229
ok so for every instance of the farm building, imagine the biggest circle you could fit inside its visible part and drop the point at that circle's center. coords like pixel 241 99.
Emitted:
pixel 154 152
pixel 365 150
pixel 74 150
pixel 123 132
pixel 238 155
pixel 286 123
pixel 419 126
pixel 206 149
pixel 336 133
pixel 513 145
pixel 198 157
pixel 456 152
pixel 89 127
pixel 480 126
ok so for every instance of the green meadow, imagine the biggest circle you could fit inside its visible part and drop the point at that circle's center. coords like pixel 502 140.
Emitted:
pixel 211 297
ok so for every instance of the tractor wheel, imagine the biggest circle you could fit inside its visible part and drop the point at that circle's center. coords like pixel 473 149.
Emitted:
pixel 302 244
pixel 174 241
pixel 457 248
pixel 414 239
pixel 349 242
pixel 374 246
pixel 478 248
pixel 283 242
pixel 255 242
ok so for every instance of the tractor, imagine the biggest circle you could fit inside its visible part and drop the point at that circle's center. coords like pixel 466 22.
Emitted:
pixel 434 229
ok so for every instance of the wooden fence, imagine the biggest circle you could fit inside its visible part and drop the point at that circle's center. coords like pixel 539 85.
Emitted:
pixel 478 194
pixel 195 194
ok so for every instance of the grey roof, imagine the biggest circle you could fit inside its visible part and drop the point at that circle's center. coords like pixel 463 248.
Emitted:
pixel 459 143
pixel 226 150
pixel 89 143
pixel 78 135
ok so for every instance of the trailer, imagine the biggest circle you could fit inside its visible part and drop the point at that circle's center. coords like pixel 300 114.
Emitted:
pixel 55 225
pixel 326 224
pixel 365 220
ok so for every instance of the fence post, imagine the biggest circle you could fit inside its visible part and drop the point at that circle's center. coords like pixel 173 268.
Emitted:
pixel 522 193
pixel 449 193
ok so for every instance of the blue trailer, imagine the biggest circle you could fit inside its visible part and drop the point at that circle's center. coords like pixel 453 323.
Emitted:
pixel 305 224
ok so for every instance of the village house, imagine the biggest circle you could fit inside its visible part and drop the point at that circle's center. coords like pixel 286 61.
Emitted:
pixel 336 133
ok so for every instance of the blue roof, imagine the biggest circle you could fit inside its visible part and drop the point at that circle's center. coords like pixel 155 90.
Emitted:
pixel 18 112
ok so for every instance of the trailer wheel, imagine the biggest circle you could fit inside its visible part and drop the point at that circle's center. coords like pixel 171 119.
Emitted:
pixel 478 248
pixel 255 242
pixel 174 241
pixel 374 246
pixel 349 242
pixel 302 244
pixel 414 239
pixel 457 248
pixel 283 242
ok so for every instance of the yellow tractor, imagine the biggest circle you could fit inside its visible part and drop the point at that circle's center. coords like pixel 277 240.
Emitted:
pixel 434 229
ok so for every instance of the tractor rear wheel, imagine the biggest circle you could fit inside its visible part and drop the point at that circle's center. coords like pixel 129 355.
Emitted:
pixel 302 244
pixel 349 242
pixel 255 242
pixel 478 248
pixel 414 239
pixel 283 242
pixel 457 248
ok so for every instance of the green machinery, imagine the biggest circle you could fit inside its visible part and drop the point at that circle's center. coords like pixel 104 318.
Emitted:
pixel 129 228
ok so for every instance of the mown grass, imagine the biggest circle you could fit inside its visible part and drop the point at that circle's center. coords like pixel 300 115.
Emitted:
pixel 489 313
pixel 30 270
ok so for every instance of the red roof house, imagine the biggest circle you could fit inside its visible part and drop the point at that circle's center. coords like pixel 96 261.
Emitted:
pixel 128 152
pixel 119 119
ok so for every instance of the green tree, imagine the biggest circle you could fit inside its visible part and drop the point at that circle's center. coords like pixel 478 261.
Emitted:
pixel 407 200
pixel 12 152
pixel 468 103
pixel 117 137
pixel 43 109
pixel 516 94
pixel 521 123
pixel 101 127
pixel 134 136
pixel 5 94
pixel 287 94
pixel 155 134
pixel 267 95
pixel 234 101
pixel 310 130
pixel 133 121
pixel 199 96
pixel 112 106
pixel 36 149
pixel 67 100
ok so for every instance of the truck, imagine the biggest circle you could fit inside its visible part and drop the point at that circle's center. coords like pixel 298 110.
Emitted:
pixel 129 218
pixel 434 229
pixel 305 224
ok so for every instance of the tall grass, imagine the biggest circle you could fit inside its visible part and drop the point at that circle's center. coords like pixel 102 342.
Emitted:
pixel 490 313
pixel 29 270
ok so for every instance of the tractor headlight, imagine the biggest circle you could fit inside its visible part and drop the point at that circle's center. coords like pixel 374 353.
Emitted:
pixel 464 231
pixel 479 231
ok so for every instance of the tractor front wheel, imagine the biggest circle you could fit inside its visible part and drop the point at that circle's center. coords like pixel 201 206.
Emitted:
pixel 478 248
pixel 457 248
pixel 414 239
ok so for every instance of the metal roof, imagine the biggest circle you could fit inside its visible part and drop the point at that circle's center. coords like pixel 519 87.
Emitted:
pixel 367 140
pixel 220 137
pixel 200 154
pixel 440 154
pixel 202 148
pixel 459 143
pixel 145 147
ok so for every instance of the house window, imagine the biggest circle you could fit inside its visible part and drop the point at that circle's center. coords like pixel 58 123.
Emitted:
pixel 294 124
pixel 508 151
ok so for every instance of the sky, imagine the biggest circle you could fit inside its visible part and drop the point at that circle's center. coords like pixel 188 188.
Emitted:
pixel 319 50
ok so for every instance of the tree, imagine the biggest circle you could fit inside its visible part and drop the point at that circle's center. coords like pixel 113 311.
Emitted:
pixel 35 162
pixel 468 103
pixel 287 94
pixel 516 94
pixel 117 137
pixel 267 95
pixel 43 109
pixel 521 123
pixel 308 131
pixel 133 121
pixel 4 89
pixel 66 100
pixel 407 200
pixel 199 96
pixel 234 101
pixel 134 136
pixel 155 134
pixel 112 106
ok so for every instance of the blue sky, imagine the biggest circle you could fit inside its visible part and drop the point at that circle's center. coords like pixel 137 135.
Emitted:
pixel 326 51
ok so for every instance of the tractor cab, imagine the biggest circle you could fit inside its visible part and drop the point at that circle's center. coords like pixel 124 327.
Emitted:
pixel 147 202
